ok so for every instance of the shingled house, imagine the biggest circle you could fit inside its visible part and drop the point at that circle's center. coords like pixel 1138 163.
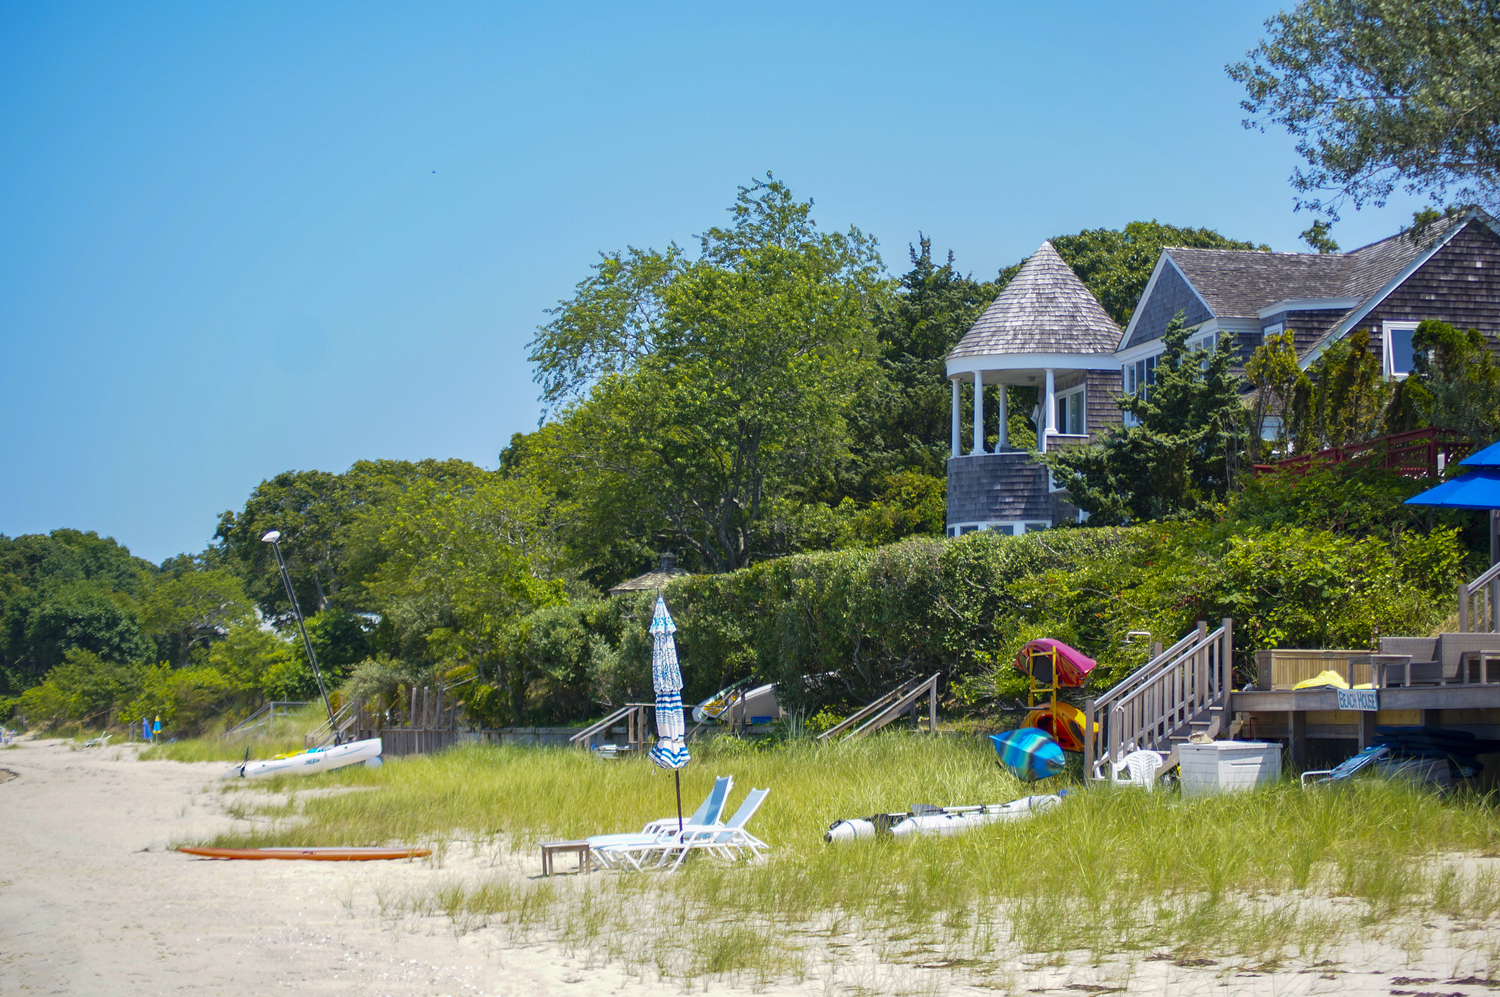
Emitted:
pixel 1046 329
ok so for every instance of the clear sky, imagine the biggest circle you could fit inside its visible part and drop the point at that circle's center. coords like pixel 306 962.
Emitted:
pixel 245 238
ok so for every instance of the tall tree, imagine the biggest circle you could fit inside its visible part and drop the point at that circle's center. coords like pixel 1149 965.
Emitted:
pixel 1182 452
pixel 758 350
pixel 1343 399
pixel 901 421
pixel 1380 93
pixel 194 609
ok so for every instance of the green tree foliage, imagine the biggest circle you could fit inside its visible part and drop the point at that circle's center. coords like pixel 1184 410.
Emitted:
pixel 842 627
pixel 82 688
pixel 463 563
pixel 1380 93
pixel 1181 455
pixel 193 609
pixel 738 395
pixel 1317 238
pixel 901 420
pixel 62 591
pixel 1343 399
pixel 1276 375
pixel 317 514
pixel 1353 497
pixel 1454 384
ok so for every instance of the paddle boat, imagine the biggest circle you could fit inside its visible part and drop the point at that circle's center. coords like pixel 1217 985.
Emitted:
pixel 761 705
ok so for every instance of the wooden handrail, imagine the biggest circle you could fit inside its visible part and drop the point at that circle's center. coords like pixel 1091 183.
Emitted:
pixel 898 702
pixel 1157 705
pixel 880 702
pixel 246 724
pixel 634 715
pixel 1479 603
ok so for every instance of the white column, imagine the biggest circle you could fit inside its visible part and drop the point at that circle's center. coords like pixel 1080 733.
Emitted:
pixel 1004 441
pixel 1049 414
pixel 955 416
pixel 978 412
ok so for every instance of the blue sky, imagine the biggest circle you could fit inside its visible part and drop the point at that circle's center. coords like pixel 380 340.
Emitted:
pixel 241 239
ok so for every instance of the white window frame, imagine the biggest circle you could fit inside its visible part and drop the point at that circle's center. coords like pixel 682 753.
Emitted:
pixel 1010 527
pixel 1272 330
pixel 1388 359
pixel 1130 378
pixel 1061 402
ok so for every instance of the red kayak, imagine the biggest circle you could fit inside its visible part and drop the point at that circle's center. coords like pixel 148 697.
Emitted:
pixel 1040 658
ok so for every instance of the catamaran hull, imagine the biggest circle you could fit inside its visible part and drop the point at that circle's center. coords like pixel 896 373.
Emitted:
pixel 962 819
pixel 314 760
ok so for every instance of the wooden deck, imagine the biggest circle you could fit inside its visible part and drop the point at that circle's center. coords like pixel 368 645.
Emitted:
pixel 1297 716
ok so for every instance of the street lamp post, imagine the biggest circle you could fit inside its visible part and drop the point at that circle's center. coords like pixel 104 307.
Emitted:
pixel 286 579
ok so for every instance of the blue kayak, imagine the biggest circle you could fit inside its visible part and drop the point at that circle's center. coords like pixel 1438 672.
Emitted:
pixel 1029 753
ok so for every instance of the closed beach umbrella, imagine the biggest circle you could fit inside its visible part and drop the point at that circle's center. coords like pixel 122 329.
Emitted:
pixel 145 729
pixel 670 750
pixel 1029 753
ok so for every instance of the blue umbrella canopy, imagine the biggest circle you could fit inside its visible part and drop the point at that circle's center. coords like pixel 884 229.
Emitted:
pixel 670 750
pixel 1029 753
pixel 1476 489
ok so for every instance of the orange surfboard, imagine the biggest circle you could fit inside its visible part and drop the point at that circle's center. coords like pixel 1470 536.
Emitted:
pixel 313 854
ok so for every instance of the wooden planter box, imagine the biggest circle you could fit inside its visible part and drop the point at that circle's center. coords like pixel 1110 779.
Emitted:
pixel 1283 669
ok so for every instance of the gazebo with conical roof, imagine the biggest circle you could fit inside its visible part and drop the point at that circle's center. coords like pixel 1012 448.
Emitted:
pixel 1046 330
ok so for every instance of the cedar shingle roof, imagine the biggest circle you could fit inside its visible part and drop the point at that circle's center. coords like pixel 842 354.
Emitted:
pixel 1044 309
pixel 1236 283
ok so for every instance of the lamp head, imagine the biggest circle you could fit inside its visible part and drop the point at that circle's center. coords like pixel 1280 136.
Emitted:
pixel 271 537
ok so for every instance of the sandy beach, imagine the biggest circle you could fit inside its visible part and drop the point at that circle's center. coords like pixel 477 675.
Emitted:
pixel 93 900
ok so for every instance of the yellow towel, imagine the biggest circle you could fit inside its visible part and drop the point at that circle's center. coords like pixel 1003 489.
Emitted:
pixel 1323 680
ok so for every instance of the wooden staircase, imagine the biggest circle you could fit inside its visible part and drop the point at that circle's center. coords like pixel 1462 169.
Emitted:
pixel 1182 691
pixel 1479 603
pixel 886 708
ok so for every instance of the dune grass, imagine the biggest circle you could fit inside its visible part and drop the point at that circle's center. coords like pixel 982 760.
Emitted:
pixel 1259 877
pixel 282 737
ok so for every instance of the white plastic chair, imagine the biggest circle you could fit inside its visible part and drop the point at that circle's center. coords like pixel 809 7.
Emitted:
pixel 1142 766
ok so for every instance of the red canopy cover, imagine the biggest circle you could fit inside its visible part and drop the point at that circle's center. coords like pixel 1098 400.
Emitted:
pixel 1073 666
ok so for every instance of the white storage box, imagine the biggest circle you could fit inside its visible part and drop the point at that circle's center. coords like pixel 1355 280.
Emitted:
pixel 1226 766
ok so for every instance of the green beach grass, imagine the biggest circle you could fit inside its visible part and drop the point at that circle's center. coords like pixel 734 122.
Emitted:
pixel 1259 878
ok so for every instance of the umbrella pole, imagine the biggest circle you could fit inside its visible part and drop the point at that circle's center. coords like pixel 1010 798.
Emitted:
pixel 677 775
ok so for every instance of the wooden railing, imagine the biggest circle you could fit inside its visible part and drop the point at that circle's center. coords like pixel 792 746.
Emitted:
pixel 262 717
pixel 1479 603
pixel 887 708
pixel 633 715
pixel 1420 453
pixel 1183 689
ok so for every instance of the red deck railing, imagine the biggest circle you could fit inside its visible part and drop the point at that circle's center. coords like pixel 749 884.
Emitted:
pixel 1420 453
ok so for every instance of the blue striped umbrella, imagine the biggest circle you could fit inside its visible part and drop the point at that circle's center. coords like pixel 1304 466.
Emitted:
pixel 670 750
pixel 1029 753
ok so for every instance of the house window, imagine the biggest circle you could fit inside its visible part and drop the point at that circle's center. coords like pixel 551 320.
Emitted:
pixel 1398 351
pixel 1070 413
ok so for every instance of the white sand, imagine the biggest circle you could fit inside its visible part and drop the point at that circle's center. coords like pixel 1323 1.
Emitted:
pixel 93 901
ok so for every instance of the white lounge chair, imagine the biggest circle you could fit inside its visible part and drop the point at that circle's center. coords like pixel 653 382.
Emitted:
pixel 728 841
pixel 619 850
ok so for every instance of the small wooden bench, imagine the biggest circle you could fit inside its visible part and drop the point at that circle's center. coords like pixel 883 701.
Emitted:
pixel 551 848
